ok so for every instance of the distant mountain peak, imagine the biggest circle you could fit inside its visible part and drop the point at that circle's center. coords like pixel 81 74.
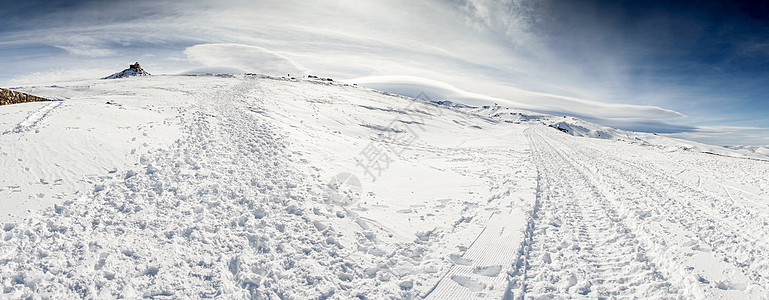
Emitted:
pixel 133 70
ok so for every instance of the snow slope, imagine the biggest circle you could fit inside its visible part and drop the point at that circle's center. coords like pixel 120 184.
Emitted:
pixel 259 187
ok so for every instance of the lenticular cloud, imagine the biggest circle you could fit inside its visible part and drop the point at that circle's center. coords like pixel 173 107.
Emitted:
pixel 244 57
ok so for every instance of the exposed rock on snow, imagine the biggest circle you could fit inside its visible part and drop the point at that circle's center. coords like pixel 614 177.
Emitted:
pixel 13 97
pixel 133 70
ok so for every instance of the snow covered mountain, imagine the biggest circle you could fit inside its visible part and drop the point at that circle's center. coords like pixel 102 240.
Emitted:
pixel 133 70
pixel 581 128
pixel 760 150
pixel 260 187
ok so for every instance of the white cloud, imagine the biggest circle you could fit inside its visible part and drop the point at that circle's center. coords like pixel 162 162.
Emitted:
pixel 243 57
pixel 59 75
pixel 88 51
pixel 519 98
pixel 727 135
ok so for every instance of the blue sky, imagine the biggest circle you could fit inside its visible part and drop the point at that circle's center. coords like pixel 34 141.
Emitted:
pixel 692 69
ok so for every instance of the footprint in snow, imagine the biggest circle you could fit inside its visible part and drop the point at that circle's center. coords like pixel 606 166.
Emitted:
pixel 468 283
pixel 458 259
pixel 489 271
pixel 546 258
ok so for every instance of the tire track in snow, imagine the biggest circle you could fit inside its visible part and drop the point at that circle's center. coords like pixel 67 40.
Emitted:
pixel 687 232
pixel 723 228
pixel 478 273
pixel 580 247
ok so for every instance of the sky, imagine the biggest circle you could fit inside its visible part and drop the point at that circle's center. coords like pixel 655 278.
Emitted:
pixel 691 69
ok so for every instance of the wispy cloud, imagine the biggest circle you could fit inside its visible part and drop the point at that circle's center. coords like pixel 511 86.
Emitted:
pixel 59 75
pixel 542 102
pixel 727 135
pixel 249 58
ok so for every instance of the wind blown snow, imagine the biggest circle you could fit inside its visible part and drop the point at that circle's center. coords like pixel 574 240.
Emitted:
pixel 260 187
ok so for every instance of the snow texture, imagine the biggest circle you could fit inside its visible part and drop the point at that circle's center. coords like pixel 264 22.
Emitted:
pixel 248 186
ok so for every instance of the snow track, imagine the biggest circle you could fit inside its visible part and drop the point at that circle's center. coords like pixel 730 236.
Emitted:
pixel 580 246
pixel 637 229
pixel 478 273
pixel 33 120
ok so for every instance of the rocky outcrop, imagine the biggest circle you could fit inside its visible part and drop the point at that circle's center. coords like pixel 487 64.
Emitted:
pixel 13 97
pixel 133 70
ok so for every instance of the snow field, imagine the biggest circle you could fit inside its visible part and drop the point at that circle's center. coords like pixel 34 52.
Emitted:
pixel 236 207
pixel 438 194
pixel 54 151
pixel 218 186
pixel 180 223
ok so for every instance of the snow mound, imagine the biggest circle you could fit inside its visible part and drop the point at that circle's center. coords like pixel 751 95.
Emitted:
pixel 133 70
